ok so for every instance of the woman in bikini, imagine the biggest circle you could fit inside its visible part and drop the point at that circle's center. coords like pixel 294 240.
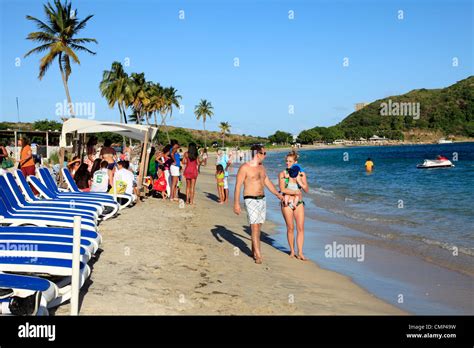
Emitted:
pixel 297 214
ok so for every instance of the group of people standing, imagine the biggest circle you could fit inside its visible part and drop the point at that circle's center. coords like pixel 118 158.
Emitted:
pixel 169 165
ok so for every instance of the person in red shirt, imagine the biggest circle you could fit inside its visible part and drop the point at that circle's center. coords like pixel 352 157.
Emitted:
pixel 161 184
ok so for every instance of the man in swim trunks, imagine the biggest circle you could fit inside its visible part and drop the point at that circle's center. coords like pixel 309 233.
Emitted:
pixel 253 177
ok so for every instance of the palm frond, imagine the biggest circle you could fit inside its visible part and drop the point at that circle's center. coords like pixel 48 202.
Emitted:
pixel 82 48
pixel 46 62
pixel 41 37
pixel 38 49
pixel 70 53
pixel 82 24
pixel 41 25
pixel 83 40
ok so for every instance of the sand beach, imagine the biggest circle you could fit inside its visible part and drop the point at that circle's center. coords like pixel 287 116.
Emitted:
pixel 160 259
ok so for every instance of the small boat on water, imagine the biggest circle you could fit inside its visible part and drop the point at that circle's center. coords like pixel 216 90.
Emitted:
pixel 444 141
pixel 439 162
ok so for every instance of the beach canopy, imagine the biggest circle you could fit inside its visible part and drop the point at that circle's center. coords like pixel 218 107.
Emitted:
pixel 80 125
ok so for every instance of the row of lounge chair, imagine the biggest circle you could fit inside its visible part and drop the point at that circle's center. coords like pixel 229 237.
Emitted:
pixel 36 238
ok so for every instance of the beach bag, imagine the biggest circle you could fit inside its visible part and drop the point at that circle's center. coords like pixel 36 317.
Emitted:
pixel 121 186
pixel 7 163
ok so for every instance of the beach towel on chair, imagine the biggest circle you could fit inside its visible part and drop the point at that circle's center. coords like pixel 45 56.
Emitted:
pixel 121 186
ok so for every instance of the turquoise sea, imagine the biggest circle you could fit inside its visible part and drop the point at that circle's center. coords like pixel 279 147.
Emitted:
pixel 416 225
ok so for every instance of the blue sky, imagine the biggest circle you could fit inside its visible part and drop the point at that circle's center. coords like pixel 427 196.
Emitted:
pixel 283 61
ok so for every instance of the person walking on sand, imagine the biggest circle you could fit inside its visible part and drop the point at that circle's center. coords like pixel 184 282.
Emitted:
pixel 253 177
pixel 295 213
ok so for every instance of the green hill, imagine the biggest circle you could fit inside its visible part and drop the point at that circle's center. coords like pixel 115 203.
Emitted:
pixel 446 111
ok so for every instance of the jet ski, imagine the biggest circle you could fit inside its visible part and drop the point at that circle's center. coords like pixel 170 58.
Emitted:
pixel 439 162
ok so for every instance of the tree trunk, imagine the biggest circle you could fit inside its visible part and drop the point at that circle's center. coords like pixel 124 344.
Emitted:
pixel 66 88
pixel 154 115
pixel 205 134
pixel 163 123
pixel 124 141
pixel 75 148
pixel 223 135
pixel 167 134
pixel 124 113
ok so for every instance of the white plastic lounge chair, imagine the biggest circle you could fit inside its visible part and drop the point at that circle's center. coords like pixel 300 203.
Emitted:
pixel 20 202
pixel 20 219
pixel 71 184
pixel 93 237
pixel 31 198
pixel 110 206
pixel 8 196
pixel 16 286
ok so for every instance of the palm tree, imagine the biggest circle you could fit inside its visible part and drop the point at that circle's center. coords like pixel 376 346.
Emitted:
pixel 204 110
pixel 170 99
pixel 114 87
pixel 225 128
pixel 140 97
pixel 58 37
pixel 156 101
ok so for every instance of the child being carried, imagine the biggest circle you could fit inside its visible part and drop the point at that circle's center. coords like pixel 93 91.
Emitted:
pixel 291 184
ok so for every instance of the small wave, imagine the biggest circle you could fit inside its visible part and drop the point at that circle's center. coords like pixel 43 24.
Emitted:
pixel 364 217
pixel 448 246
pixel 389 236
pixel 322 192
pixel 359 217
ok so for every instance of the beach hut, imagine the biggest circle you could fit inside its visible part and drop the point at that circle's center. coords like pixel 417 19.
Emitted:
pixel 135 131
pixel 377 138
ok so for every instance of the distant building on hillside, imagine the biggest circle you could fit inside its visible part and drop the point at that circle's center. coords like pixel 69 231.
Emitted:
pixel 359 106
pixel 377 138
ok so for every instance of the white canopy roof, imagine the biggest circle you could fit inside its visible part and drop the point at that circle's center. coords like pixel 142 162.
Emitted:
pixel 80 125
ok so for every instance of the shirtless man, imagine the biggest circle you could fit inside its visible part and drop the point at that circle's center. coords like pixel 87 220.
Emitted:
pixel 254 178
pixel 108 154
